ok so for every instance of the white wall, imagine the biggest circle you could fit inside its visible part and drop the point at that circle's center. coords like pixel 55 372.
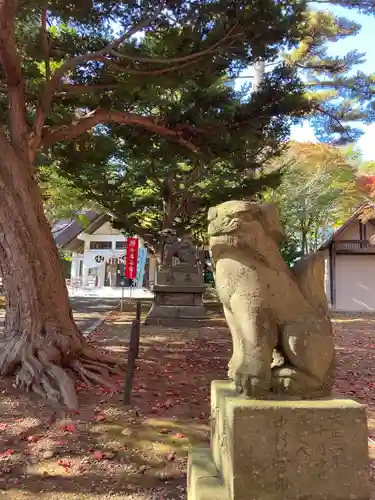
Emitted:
pixel 355 274
pixel 77 258
pixel 355 283
pixel 107 229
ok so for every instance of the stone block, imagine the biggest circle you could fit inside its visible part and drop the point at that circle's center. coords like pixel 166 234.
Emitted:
pixel 289 449
pixel 177 312
pixel 178 297
pixel 179 276
pixel 204 481
pixel 177 322
pixel 176 315
pixel 164 290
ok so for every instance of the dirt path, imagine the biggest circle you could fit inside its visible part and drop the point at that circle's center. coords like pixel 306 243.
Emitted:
pixel 112 452
pixel 88 312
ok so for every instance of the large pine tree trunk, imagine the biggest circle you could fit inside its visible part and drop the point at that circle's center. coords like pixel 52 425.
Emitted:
pixel 43 342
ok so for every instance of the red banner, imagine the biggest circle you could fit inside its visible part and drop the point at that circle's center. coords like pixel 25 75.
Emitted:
pixel 131 261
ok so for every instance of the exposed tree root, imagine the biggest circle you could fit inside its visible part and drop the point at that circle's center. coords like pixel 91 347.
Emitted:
pixel 42 368
pixel 95 355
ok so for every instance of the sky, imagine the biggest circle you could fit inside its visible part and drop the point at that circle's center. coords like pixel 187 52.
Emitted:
pixel 363 43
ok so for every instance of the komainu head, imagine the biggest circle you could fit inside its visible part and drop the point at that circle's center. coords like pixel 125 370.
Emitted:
pixel 240 219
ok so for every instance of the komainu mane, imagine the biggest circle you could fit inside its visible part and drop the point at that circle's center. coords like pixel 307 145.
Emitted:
pixel 278 317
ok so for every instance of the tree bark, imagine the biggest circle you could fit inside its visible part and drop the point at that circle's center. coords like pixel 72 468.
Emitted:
pixel 44 344
pixel 168 203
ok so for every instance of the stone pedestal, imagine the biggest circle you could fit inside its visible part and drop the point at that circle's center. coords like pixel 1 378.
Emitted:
pixel 178 297
pixel 278 450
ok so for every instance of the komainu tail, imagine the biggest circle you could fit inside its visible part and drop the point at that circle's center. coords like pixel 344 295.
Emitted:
pixel 309 274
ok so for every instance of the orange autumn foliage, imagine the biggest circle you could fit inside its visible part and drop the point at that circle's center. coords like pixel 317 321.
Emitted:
pixel 366 183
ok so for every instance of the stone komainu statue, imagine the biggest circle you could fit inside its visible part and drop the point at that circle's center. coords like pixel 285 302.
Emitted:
pixel 278 317
pixel 182 249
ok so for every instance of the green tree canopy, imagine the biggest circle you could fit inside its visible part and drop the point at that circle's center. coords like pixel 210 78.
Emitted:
pixel 207 141
pixel 62 200
pixel 147 183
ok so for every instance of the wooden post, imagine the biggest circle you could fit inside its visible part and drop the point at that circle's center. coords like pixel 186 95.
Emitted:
pixel 138 321
pixel 332 261
pixel 122 296
pixel 133 353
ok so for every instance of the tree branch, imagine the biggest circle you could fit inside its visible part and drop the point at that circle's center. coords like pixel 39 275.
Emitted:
pixel 110 49
pixel 53 82
pixel 73 130
pixel 151 72
pixel 229 36
pixel 45 44
pixel 71 88
pixel 68 88
pixel 334 118
pixel 190 179
pixel 11 65
pixel 79 88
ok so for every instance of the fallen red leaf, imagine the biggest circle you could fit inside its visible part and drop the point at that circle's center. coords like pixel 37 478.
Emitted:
pixel 98 455
pixel 108 390
pixel 66 464
pixel 7 453
pixel 69 428
pixel 81 386
pixel 61 443
pixel 3 427
pixel 99 418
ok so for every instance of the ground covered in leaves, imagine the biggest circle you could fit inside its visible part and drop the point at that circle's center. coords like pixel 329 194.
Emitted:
pixel 106 450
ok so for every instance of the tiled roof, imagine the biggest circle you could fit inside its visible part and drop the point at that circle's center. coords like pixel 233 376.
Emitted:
pixel 66 230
